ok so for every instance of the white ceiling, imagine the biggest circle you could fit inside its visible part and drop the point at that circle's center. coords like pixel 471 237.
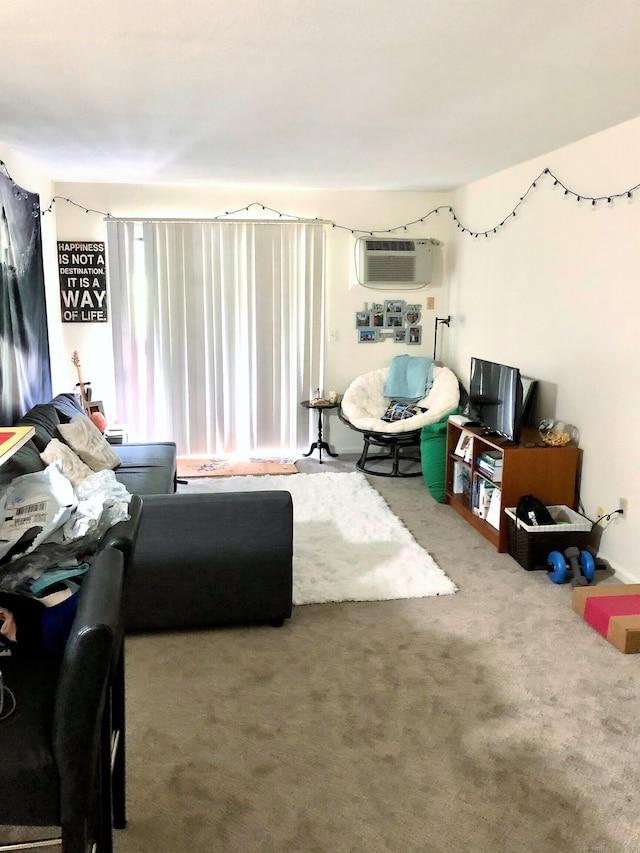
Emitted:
pixel 353 94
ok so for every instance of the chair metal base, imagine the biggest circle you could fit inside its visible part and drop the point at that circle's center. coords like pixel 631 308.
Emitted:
pixel 395 444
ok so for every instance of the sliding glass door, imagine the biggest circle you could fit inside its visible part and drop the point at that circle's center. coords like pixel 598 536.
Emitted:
pixel 217 331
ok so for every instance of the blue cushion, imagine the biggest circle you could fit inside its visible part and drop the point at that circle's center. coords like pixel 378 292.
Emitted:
pixel 67 407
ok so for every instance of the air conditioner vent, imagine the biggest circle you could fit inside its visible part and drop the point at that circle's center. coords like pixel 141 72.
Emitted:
pixel 387 268
pixel 391 246
pixel 394 264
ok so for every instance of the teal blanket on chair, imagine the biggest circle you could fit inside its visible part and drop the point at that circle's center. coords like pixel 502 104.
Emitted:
pixel 410 378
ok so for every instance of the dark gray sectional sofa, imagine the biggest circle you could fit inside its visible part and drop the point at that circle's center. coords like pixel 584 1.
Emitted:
pixel 181 561
pixel 146 469
pixel 200 560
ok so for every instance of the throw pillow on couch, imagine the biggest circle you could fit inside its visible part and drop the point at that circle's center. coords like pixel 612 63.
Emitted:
pixel 73 468
pixel 85 439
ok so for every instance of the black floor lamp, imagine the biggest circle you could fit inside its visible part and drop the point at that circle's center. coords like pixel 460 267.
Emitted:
pixel 445 322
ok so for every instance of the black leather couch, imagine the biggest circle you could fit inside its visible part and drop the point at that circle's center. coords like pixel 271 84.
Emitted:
pixel 200 560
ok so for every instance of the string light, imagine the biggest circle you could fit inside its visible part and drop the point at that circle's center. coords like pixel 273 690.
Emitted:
pixel 545 174
pixel 75 204
pixel 19 193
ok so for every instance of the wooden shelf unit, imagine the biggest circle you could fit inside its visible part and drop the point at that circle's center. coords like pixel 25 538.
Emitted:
pixel 549 473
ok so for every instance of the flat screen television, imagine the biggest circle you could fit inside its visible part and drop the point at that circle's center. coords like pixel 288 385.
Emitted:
pixel 495 398
pixel 529 389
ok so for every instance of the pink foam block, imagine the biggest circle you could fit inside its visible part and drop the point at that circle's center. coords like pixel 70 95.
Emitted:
pixel 599 610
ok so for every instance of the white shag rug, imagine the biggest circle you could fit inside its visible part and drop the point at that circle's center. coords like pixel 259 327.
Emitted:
pixel 347 544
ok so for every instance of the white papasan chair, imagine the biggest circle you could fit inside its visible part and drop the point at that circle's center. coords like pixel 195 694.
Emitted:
pixel 363 405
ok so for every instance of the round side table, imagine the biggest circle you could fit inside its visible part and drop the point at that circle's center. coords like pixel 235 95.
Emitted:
pixel 320 444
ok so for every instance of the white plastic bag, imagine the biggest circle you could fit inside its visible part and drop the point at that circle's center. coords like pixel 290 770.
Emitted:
pixel 44 522
pixel 101 502
pixel 33 507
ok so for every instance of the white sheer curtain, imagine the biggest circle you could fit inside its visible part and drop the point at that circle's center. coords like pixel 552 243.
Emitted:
pixel 218 332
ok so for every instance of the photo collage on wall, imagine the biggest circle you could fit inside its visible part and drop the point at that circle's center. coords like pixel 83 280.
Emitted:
pixel 393 319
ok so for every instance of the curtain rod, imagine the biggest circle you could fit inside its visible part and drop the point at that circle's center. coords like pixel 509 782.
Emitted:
pixel 173 221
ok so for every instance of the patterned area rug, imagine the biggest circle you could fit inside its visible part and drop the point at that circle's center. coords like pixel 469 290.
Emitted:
pixel 198 466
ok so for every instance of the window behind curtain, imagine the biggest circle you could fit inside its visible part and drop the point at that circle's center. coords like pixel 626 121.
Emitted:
pixel 217 332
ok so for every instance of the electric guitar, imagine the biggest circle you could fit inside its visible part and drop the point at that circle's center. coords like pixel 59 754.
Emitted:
pixel 75 358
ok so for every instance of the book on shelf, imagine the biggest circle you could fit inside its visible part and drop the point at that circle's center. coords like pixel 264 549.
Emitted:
pixel 490 464
pixel 461 484
pixel 462 480
pixel 493 513
pixel 458 478
pixel 493 472
pixel 483 492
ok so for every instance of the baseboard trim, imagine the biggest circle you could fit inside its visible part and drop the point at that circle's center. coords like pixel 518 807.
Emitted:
pixel 625 577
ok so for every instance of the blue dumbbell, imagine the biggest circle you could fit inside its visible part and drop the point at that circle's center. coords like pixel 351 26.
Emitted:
pixel 580 563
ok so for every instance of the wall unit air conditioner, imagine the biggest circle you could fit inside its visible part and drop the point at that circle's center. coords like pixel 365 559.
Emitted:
pixel 394 264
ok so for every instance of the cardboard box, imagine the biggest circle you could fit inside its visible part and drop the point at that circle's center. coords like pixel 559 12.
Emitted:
pixel 614 611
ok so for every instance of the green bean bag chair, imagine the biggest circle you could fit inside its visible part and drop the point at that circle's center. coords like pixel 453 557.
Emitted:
pixel 433 454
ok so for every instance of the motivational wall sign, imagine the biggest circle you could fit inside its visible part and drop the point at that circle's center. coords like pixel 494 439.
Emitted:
pixel 83 282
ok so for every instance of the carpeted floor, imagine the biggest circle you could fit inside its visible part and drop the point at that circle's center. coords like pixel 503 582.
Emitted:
pixel 489 721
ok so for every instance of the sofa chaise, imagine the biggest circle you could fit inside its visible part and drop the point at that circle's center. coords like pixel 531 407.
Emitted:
pixel 197 561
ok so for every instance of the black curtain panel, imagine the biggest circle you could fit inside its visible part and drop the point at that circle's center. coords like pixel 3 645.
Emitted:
pixel 25 370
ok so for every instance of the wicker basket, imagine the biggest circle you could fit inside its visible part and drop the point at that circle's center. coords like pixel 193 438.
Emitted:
pixel 530 545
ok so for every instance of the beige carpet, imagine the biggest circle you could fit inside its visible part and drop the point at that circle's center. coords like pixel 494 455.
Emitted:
pixel 490 721
pixel 189 466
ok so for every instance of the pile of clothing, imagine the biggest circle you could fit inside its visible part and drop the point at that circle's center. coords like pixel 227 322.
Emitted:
pixel 49 532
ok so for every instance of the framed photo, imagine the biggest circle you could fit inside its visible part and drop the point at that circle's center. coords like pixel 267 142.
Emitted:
pixel 464 447
pixel 378 316
pixel 400 336
pixel 95 406
pixel 394 320
pixel 394 306
pixel 367 336
pixel 363 319
pixel 412 315
pixel 414 335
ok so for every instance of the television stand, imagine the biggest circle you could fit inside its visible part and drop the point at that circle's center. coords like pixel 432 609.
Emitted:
pixel 549 473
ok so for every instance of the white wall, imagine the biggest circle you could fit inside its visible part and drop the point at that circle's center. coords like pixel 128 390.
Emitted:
pixel 345 358
pixel 557 294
